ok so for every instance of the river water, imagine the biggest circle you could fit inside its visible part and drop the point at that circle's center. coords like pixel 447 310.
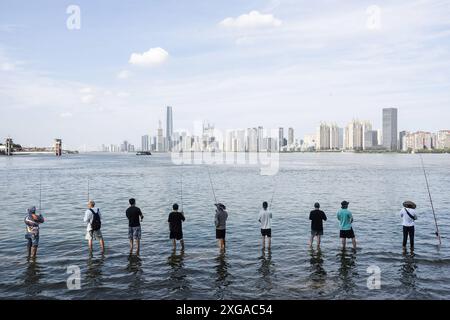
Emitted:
pixel 375 184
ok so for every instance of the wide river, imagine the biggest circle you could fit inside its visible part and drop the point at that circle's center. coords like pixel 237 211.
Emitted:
pixel 375 184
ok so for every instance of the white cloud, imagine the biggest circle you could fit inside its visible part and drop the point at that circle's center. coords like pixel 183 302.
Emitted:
pixel 254 19
pixel 6 66
pixel 123 94
pixel 86 90
pixel 89 98
pixel 124 74
pixel 152 57
pixel 66 115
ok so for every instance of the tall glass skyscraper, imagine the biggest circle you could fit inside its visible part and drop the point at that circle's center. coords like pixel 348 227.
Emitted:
pixel 169 128
pixel 390 130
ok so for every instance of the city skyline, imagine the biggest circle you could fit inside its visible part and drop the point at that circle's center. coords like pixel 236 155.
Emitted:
pixel 235 64
pixel 357 135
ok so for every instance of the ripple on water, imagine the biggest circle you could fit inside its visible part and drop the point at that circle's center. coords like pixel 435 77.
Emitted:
pixel 373 185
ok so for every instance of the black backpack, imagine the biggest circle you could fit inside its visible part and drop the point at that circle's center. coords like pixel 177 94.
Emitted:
pixel 96 223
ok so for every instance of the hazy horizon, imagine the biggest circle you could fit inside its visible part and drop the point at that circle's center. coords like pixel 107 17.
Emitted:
pixel 235 64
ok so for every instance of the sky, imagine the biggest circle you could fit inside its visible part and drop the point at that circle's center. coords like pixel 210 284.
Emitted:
pixel 106 74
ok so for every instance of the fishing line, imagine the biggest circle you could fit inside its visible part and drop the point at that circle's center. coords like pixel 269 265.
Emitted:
pixel 273 193
pixel 88 189
pixel 40 192
pixel 431 201
pixel 212 187
pixel 181 178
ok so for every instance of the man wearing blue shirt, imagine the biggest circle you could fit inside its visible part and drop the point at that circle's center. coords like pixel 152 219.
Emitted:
pixel 345 222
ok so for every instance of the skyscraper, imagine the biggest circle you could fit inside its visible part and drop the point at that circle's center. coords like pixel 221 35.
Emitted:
pixel 160 139
pixel 290 137
pixel 145 143
pixel 260 138
pixel 390 132
pixel 169 128
pixel 280 138
pixel 401 136
pixel 323 137
pixel 354 135
pixel 334 137
pixel 367 135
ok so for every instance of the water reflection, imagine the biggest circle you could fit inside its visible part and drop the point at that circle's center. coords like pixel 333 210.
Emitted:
pixel 94 271
pixel 318 274
pixel 134 267
pixel 347 270
pixel 266 271
pixel 408 270
pixel 222 275
pixel 177 274
pixel 32 277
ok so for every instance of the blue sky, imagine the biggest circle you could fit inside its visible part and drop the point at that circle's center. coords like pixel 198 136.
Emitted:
pixel 235 63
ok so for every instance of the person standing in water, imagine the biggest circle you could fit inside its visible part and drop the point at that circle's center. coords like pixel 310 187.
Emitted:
pixel 93 218
pixel 221 225
pixel 408 215
pixel 265 218
pixel 317 217
pixel 176 219
pixel 345 218
pixel 133 214
pixel 32 222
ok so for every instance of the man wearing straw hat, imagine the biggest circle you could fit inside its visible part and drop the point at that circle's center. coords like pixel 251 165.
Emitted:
pixel 408 214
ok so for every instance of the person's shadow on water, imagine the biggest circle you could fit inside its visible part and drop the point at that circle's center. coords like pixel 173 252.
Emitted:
pixel 222 275
pixel 94 271
pixel 32 277
pixel 347 270
pixel 408 271
pixel 177 274
pixel 266 271
pixel 134 267
pixel 318 274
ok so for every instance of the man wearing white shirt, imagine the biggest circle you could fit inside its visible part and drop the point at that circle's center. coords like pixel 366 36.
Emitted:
pixel 93 218
pixel 408 215
pixel 265 218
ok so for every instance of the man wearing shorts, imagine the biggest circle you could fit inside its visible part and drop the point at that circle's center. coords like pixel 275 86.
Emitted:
pixel 265 218
pixel 345 218
pixel 317 217
pixel 221 225
pixel 175 220
pixel 93 217
pixel 133 214
pixel 32 221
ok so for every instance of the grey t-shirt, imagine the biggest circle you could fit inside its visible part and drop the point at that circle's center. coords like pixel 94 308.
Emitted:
pixel 221 219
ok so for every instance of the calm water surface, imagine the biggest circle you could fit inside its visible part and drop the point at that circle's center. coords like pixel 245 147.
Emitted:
pixel 376 185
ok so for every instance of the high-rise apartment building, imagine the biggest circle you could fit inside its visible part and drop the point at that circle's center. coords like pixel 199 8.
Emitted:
pixel 145 146
pixel 169 128
pixel 390 131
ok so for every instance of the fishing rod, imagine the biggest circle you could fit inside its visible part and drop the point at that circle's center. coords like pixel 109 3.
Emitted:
pixel 181 178
pixel 212 187
pixel 88 189
pixel 431 201
pixel 273 193
pixel 40 192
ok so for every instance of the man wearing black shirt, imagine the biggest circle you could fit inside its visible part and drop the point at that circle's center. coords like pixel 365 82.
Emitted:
pixel 134 225
pixel 317 217
pixel 175 220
